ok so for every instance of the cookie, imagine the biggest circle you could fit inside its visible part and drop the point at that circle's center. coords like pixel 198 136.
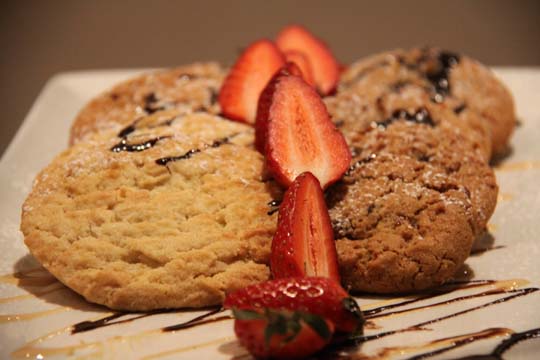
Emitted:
pixel 189 88
pixel 419 190
pixel 462 83
pixel 400 225
pixel 406 214
pixel 171 214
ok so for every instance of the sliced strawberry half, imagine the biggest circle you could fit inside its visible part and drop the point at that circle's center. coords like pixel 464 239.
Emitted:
pixel 326 69
pixel 240 91
pixel 263 107
pixel 303 244
pixel 299 134
pixel 301 60
pixel 314 295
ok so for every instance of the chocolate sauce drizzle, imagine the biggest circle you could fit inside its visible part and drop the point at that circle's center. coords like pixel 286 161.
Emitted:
pixel 421 325
pixel 439 77
pixel 457 299
pixel 459 109
pixel 452 286
pixel 497 352
pixel 214 96
pixel 421 116
pixel 341 344
pixel 109 320
pixel 91 325
pixel 150 104
pixel 199 320
pixel 123 145
pixel 128 129
pixel 274 206
pixel 359 163
pixel 188 154
pixel 133 126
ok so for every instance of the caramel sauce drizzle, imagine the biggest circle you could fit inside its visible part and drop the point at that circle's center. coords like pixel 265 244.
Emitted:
pixel 32 349
pixel 518 166
pixel 442 345
pixel 509 287
pixel 32 315
pixel 502 196
pixel 33 277
pixel 39 277
pixel 35 294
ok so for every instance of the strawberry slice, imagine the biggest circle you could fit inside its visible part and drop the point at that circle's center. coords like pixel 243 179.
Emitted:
pixel 303 244
pixel 301 60
pixel 314 295
pixel 299 134
pixel 263 107
pixel 326 69
pixel 240 91
pixel 281 334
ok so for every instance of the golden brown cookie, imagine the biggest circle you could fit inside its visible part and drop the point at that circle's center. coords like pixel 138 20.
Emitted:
pixel 189 88
pixel 173 214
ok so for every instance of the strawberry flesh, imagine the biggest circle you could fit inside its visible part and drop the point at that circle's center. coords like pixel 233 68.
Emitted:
pixel 265 100
pixel 240 91
pixel 299 134
pixel 325 67
pixel 303 244
pixel 301 60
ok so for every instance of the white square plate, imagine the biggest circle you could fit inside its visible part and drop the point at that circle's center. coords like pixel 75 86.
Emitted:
pixel 37 312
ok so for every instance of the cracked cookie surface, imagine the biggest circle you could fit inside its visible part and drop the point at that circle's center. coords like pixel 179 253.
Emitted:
pixel 172 215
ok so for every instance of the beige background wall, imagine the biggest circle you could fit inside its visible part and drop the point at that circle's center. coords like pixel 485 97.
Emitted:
pixel 40 38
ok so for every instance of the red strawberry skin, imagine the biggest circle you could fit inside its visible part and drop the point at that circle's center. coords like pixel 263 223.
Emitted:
pixel 315 295
pixel 251 335
pixel 326 69
pixel 303 244
pixel 240 91
pixel 300 136
pixel 302 61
